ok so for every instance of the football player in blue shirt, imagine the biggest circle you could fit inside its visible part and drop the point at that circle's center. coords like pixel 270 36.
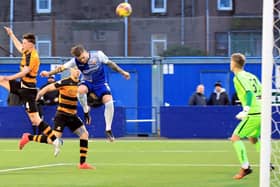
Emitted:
pixel 91 64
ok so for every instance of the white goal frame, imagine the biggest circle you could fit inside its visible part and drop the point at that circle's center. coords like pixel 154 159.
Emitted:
pixel 267 67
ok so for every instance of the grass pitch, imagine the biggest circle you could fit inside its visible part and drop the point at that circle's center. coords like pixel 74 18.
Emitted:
pixel 126 163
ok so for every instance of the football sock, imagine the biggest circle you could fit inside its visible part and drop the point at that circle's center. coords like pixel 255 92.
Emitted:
pixel 83 150
pixel 108 114
pixel 83 101
pixel 47 130
pixel 241 153
pixel 38 138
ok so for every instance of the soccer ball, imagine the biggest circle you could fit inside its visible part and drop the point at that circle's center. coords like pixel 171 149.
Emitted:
pixel 124 9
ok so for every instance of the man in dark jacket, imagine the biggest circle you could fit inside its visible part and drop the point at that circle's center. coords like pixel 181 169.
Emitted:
pixel 198 98
pixel 219 96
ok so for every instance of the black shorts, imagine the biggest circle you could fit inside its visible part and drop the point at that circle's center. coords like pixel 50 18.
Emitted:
pixel 62 120
pixel 27 95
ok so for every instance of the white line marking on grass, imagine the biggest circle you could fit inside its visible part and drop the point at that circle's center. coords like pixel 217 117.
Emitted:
pixel 136 151
pixel 137 140
pixel 125 165
pixel 169 165
pixel 34 167
pixel 139 151
pixel 163 151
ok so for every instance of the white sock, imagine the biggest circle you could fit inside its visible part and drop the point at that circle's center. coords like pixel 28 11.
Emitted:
pixel 83 101
pixel 109 114
pixel 245 165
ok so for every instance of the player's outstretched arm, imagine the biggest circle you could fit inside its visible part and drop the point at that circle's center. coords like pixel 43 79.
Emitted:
pixel 44 90
pixel 16 42
pixel 52 72
pixel 20 74
pixel 118 69
pixel 71 63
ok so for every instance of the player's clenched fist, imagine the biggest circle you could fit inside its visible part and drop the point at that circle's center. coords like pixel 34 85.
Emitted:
pixel 44 74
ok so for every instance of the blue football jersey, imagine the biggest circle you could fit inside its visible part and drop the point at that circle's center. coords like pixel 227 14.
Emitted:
pixel 93 70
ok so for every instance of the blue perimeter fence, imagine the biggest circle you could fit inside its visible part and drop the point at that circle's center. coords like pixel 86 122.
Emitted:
pixel 217 122
pixel 154 83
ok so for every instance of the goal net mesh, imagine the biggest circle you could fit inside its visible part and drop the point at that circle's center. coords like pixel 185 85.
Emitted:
pixel 275 134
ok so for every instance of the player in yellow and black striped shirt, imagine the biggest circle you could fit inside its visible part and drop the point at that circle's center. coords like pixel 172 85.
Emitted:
pixel 66 115
pixel 26 87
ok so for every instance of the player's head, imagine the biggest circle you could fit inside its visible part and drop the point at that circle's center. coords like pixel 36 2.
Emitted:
pixel 237 61
pixel 28 41
pixel 200 89
pixel 80 53
pixel 75 73
pixel 218 86
pixel 51 79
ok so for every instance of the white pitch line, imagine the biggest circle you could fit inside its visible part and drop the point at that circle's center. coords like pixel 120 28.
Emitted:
pixel 33 167
pixel 125 164
pixel 169 165
pixel 121 140
pixel 135 151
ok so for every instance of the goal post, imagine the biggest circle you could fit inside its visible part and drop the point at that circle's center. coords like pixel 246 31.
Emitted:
pixel 267 68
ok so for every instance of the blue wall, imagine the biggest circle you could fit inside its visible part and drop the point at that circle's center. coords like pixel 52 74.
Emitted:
pixel 136 94
pixel 198 122
pixel 12 126
pixel 212 122
pixel 178 87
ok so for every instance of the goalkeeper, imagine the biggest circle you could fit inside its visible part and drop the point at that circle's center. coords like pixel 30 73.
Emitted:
pixel 248 89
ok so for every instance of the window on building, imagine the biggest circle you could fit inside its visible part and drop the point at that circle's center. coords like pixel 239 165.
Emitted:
pixel 44 47
pixel 248 43
pixel 225 5
pixel 158 6
pixel 221 44
pixel 100 35
pixel 43 6
pixel 158 44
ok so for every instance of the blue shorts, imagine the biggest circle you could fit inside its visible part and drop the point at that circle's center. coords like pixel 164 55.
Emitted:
pixel 99 90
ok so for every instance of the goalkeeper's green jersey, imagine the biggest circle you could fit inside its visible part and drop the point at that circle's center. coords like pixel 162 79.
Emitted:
pixel 245 81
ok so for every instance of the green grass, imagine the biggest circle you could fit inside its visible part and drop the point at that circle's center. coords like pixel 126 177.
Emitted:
pixel 127 163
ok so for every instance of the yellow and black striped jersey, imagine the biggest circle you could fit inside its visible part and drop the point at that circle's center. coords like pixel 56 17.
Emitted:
pixel 67 101
pixel 31 60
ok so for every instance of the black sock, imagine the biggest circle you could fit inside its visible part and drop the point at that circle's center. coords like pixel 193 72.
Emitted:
pixel 38 138
pixel 83 150
pixel 47 130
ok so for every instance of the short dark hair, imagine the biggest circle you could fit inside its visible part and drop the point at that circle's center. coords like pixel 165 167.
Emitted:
pixel 239 59
pixel 218 83
pixel 30 37
pixel 77 50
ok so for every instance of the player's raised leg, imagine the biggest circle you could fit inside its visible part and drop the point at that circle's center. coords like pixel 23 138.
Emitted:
pixel 109 114
pixel 48 136
pixel 82 97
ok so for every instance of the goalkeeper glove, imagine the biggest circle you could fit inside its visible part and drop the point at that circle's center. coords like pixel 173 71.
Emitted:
pixel 244 113
pixel 87 118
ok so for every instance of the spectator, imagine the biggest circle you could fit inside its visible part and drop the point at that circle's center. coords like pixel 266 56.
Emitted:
pixel 50 98
pixel 219 95
pixel 198 98
pixel 235 100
